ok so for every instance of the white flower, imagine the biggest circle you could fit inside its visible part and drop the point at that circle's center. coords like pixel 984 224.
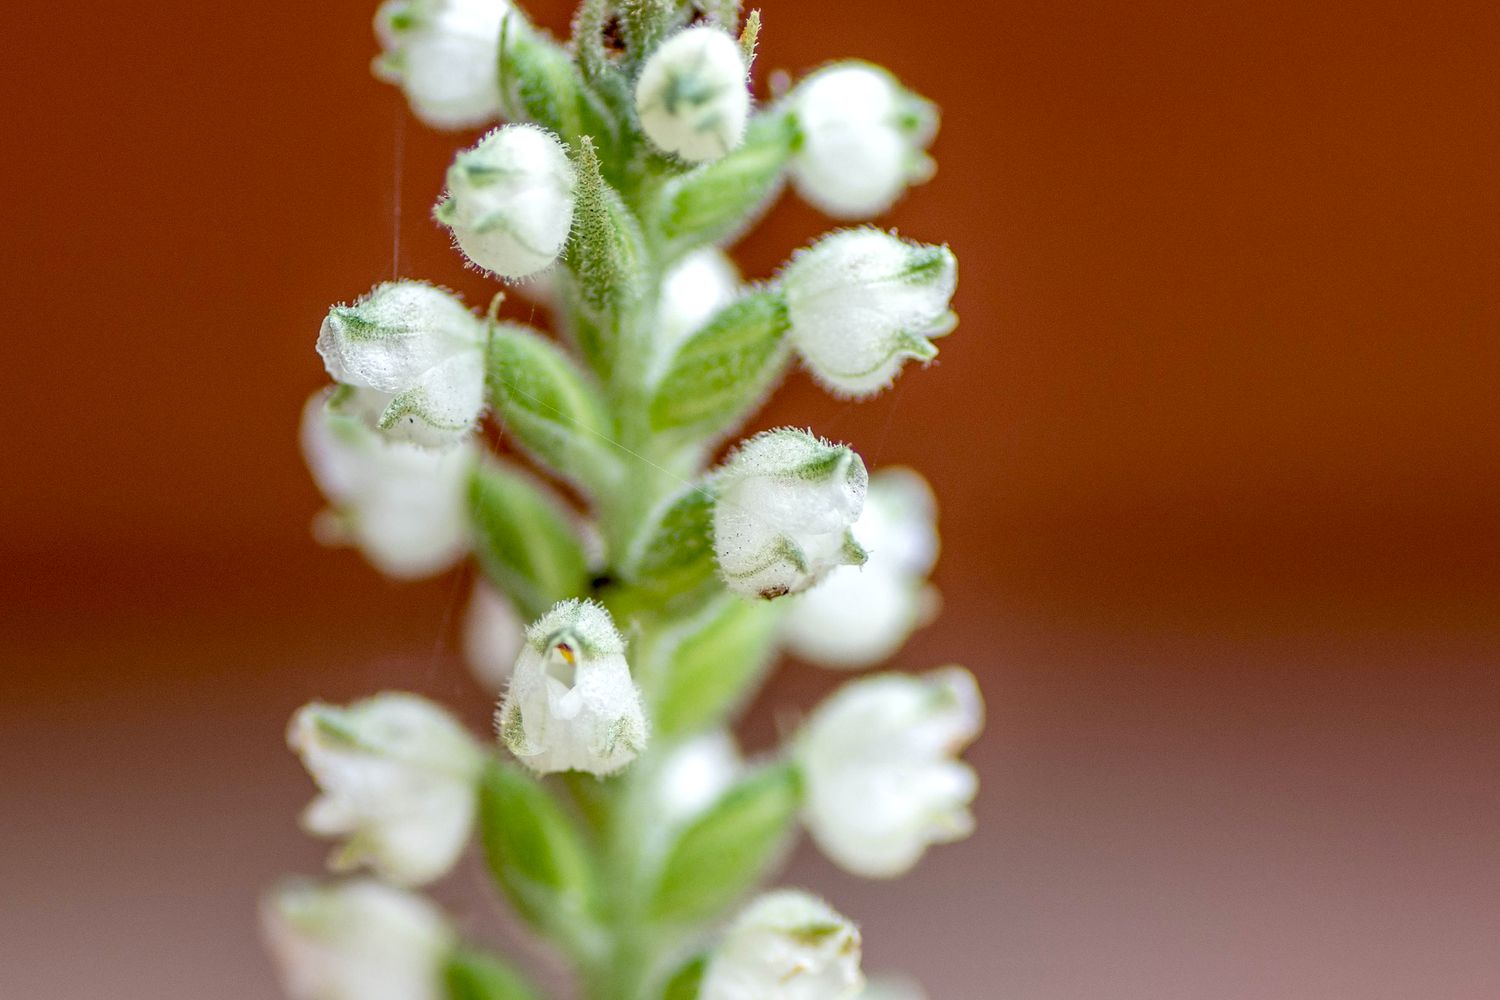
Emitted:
pixel 493 635
pixel 421 355
pixel 510 200
pixel 860 615
pixel 862 301
pixel 784 505
pixel 401 505
pixel 359 940
pixel 674 785
pixel 572 705
pixel 445 55
pixel 787 945
pixel 692 97
pixel 863 140
pixel 881 775
pixel 398 778
pixel 692 292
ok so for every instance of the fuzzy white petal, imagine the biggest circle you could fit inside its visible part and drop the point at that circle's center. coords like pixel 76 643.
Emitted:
pixel 862 302
pixel 786 945
pixel 359 940
pixel 445 56
pixel 785 503
pixel 882 781
pixel 510 200
pixel 493 636
pixel 397 776
pixel 572 705
pixel 692 97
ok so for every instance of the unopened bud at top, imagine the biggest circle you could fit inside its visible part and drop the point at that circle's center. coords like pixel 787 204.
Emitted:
pixel 398 777
pixel 860 615
pixel 882 778
pixel 572 705
pixel 786 945
pixel 785 502
pixel 863 140
pixel 692 96
pixel 401 505
pixel 444 54
pixel 862 301
pixel 360 940
pixel 509 203
pixel 420 355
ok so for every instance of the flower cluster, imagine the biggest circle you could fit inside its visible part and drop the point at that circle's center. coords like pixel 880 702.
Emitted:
pixel 630 595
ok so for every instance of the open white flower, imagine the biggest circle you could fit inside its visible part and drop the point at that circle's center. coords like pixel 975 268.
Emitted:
pixel 398 777
pixel 692 96
pixel 420 355
pixel 863 301
pixel 401 505
pixel 786 945
pixel 784 505
pixel 883 781
pixel 493 635
pixel 692 292
pixel 509 203
pixel 863 140
pixel 358 940
pixel 444 54
pixel 572 705
pixel 860 615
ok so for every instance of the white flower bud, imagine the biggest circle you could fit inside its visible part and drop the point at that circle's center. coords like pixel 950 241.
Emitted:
pixel 509 203
pixel 445 55
pixel 692 97
pixel 402 506
pixel 860 615
pixel 787 945
pixel 862 301
pixel 785 502
pixel 398 777
pixel 493 636
pixel 419 351
pixel 879 760
pixel 572 705
pixel 863 140
pixel 692 292
pixel 359 940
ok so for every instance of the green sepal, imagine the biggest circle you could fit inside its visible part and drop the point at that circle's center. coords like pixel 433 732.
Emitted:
pixel 606 260
pixel 687 982
pixel 474 975
pixel 551 408
pixel 540 82
pixel 716 202
pixel 725 370
pixel 524 542
pixel 539 858
pixel 727 850
pixel 704 668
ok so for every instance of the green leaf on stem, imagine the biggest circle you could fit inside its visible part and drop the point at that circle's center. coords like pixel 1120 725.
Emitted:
pixel 687 982
pixel 716 202
pixel 728 849
pixel 551 408
pixel 539 858
pixel 523 540
pixel 473 975
pixel 725 370
pixel 705 667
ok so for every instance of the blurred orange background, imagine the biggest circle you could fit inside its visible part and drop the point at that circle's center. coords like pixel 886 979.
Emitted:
pixel 1216 444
